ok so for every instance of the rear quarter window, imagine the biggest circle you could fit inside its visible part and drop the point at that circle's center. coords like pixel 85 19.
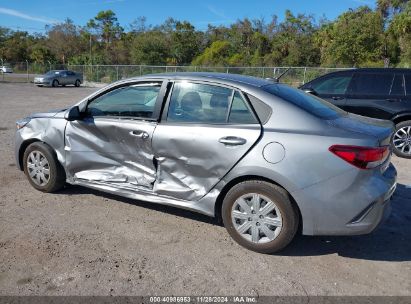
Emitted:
pixel 371 84
pixel 310 103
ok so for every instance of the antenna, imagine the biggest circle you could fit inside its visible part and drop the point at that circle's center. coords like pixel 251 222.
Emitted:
pixel 277 79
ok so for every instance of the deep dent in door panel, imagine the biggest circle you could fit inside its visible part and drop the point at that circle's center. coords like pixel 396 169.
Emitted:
pixel 191 160
pixel 92 156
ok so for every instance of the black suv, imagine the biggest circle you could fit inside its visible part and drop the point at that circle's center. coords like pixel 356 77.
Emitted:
pixel 378 93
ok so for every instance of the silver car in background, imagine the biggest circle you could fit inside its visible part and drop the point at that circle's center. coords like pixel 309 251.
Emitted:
pixel 264 157
pixel 57 78
pixel 5 69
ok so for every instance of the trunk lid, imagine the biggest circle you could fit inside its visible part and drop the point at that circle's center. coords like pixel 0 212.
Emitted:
pixel 382 130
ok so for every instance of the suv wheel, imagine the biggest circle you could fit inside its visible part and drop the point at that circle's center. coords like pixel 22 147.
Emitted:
pixel 55 83
pixel 401 141
pixel 77 83
pixel 260 216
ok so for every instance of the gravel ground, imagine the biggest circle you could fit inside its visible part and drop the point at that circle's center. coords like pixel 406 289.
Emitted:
pixel 83 242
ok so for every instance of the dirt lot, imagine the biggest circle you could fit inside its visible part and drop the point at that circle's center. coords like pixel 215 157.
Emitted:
pixel 82 242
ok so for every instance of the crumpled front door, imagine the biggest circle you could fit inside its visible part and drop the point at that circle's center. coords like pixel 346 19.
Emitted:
pixel 110 150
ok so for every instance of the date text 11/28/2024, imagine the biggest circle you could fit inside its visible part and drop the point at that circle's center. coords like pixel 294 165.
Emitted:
pixel 203 299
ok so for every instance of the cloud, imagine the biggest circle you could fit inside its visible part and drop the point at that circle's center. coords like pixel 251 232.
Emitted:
pixel 217 12
pixel 11 12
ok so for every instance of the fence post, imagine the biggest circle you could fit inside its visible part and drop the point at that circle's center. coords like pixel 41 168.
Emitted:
pixel 117 71
pixel 27 67
pixel 227 71
pixel 141 71
pixel 2 64
pixel 263 73
pixel 305 72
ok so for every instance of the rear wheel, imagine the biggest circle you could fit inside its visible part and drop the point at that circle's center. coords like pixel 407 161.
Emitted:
pixel 42 168
pixel 55 83
pixel 401 141
pixel 77 83
pixel 260 216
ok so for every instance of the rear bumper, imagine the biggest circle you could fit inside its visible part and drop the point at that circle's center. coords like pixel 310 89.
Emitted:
pixel 353 203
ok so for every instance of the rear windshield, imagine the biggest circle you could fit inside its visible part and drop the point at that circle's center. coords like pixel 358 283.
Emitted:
pixel 310 103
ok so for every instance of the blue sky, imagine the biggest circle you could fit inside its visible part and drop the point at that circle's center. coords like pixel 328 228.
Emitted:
pixel 34 15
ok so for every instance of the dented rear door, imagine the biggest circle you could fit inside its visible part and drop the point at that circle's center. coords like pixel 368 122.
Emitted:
pixel 113 143
pixel 205 130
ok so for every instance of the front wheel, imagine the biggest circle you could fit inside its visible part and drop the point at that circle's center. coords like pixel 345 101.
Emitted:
pixel 55 83
pixel 401 141
pixel 42 168
pixel 260 216
pixel 77 83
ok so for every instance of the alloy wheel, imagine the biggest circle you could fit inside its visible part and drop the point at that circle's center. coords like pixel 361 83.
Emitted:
pixel 402 140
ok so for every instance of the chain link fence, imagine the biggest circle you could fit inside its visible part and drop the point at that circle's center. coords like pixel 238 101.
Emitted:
pixel 26 71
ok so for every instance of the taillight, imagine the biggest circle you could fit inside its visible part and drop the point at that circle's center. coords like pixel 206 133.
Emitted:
pixel 362 157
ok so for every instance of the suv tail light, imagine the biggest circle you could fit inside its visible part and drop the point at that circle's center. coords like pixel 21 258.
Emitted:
pixel 362 157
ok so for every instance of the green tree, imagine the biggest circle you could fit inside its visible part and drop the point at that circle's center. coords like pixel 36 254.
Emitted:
pixel 355 38
pixel 217 54
pixel 292 42
pixel 63 40
pixel 400 31
pixel 106 25
pixel 150 48
pixel 185 43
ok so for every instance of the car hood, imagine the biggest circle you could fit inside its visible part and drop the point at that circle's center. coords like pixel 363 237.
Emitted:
pixel 48 114
pixel 378 128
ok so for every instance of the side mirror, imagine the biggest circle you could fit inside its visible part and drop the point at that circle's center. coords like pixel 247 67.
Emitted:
pixel 73 114
pixel 310 91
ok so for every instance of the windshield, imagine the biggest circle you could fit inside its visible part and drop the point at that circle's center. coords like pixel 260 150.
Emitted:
pixel 310 103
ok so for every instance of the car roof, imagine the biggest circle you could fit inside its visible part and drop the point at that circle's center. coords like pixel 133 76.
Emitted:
pixel 371 70
pixel 221 77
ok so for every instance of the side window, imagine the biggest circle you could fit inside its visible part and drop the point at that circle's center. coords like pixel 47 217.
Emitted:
pixel 199 103
pixel 370 84
pixel 332 85
pixel 240 113
pixel 137 100
pixel 70 73
pixel 407 78
pixel 397 87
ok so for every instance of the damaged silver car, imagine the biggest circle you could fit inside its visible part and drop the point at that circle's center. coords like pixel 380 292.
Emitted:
pixel 266 158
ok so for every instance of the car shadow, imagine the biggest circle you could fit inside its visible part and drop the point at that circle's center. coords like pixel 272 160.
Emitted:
pixel 75 190
pixel 390 242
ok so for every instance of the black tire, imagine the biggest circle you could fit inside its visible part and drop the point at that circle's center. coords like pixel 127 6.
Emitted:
pixel 279 197
pixel 55 83
pixel 57 176
pixel 77 83
pixel 407 151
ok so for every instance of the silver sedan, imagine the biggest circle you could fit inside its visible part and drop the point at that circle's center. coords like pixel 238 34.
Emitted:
pixel 265 158
pixel 57 78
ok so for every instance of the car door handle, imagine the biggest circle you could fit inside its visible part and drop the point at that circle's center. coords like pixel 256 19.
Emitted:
pixel 232 141
pixel 337 98
pixel 139 133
